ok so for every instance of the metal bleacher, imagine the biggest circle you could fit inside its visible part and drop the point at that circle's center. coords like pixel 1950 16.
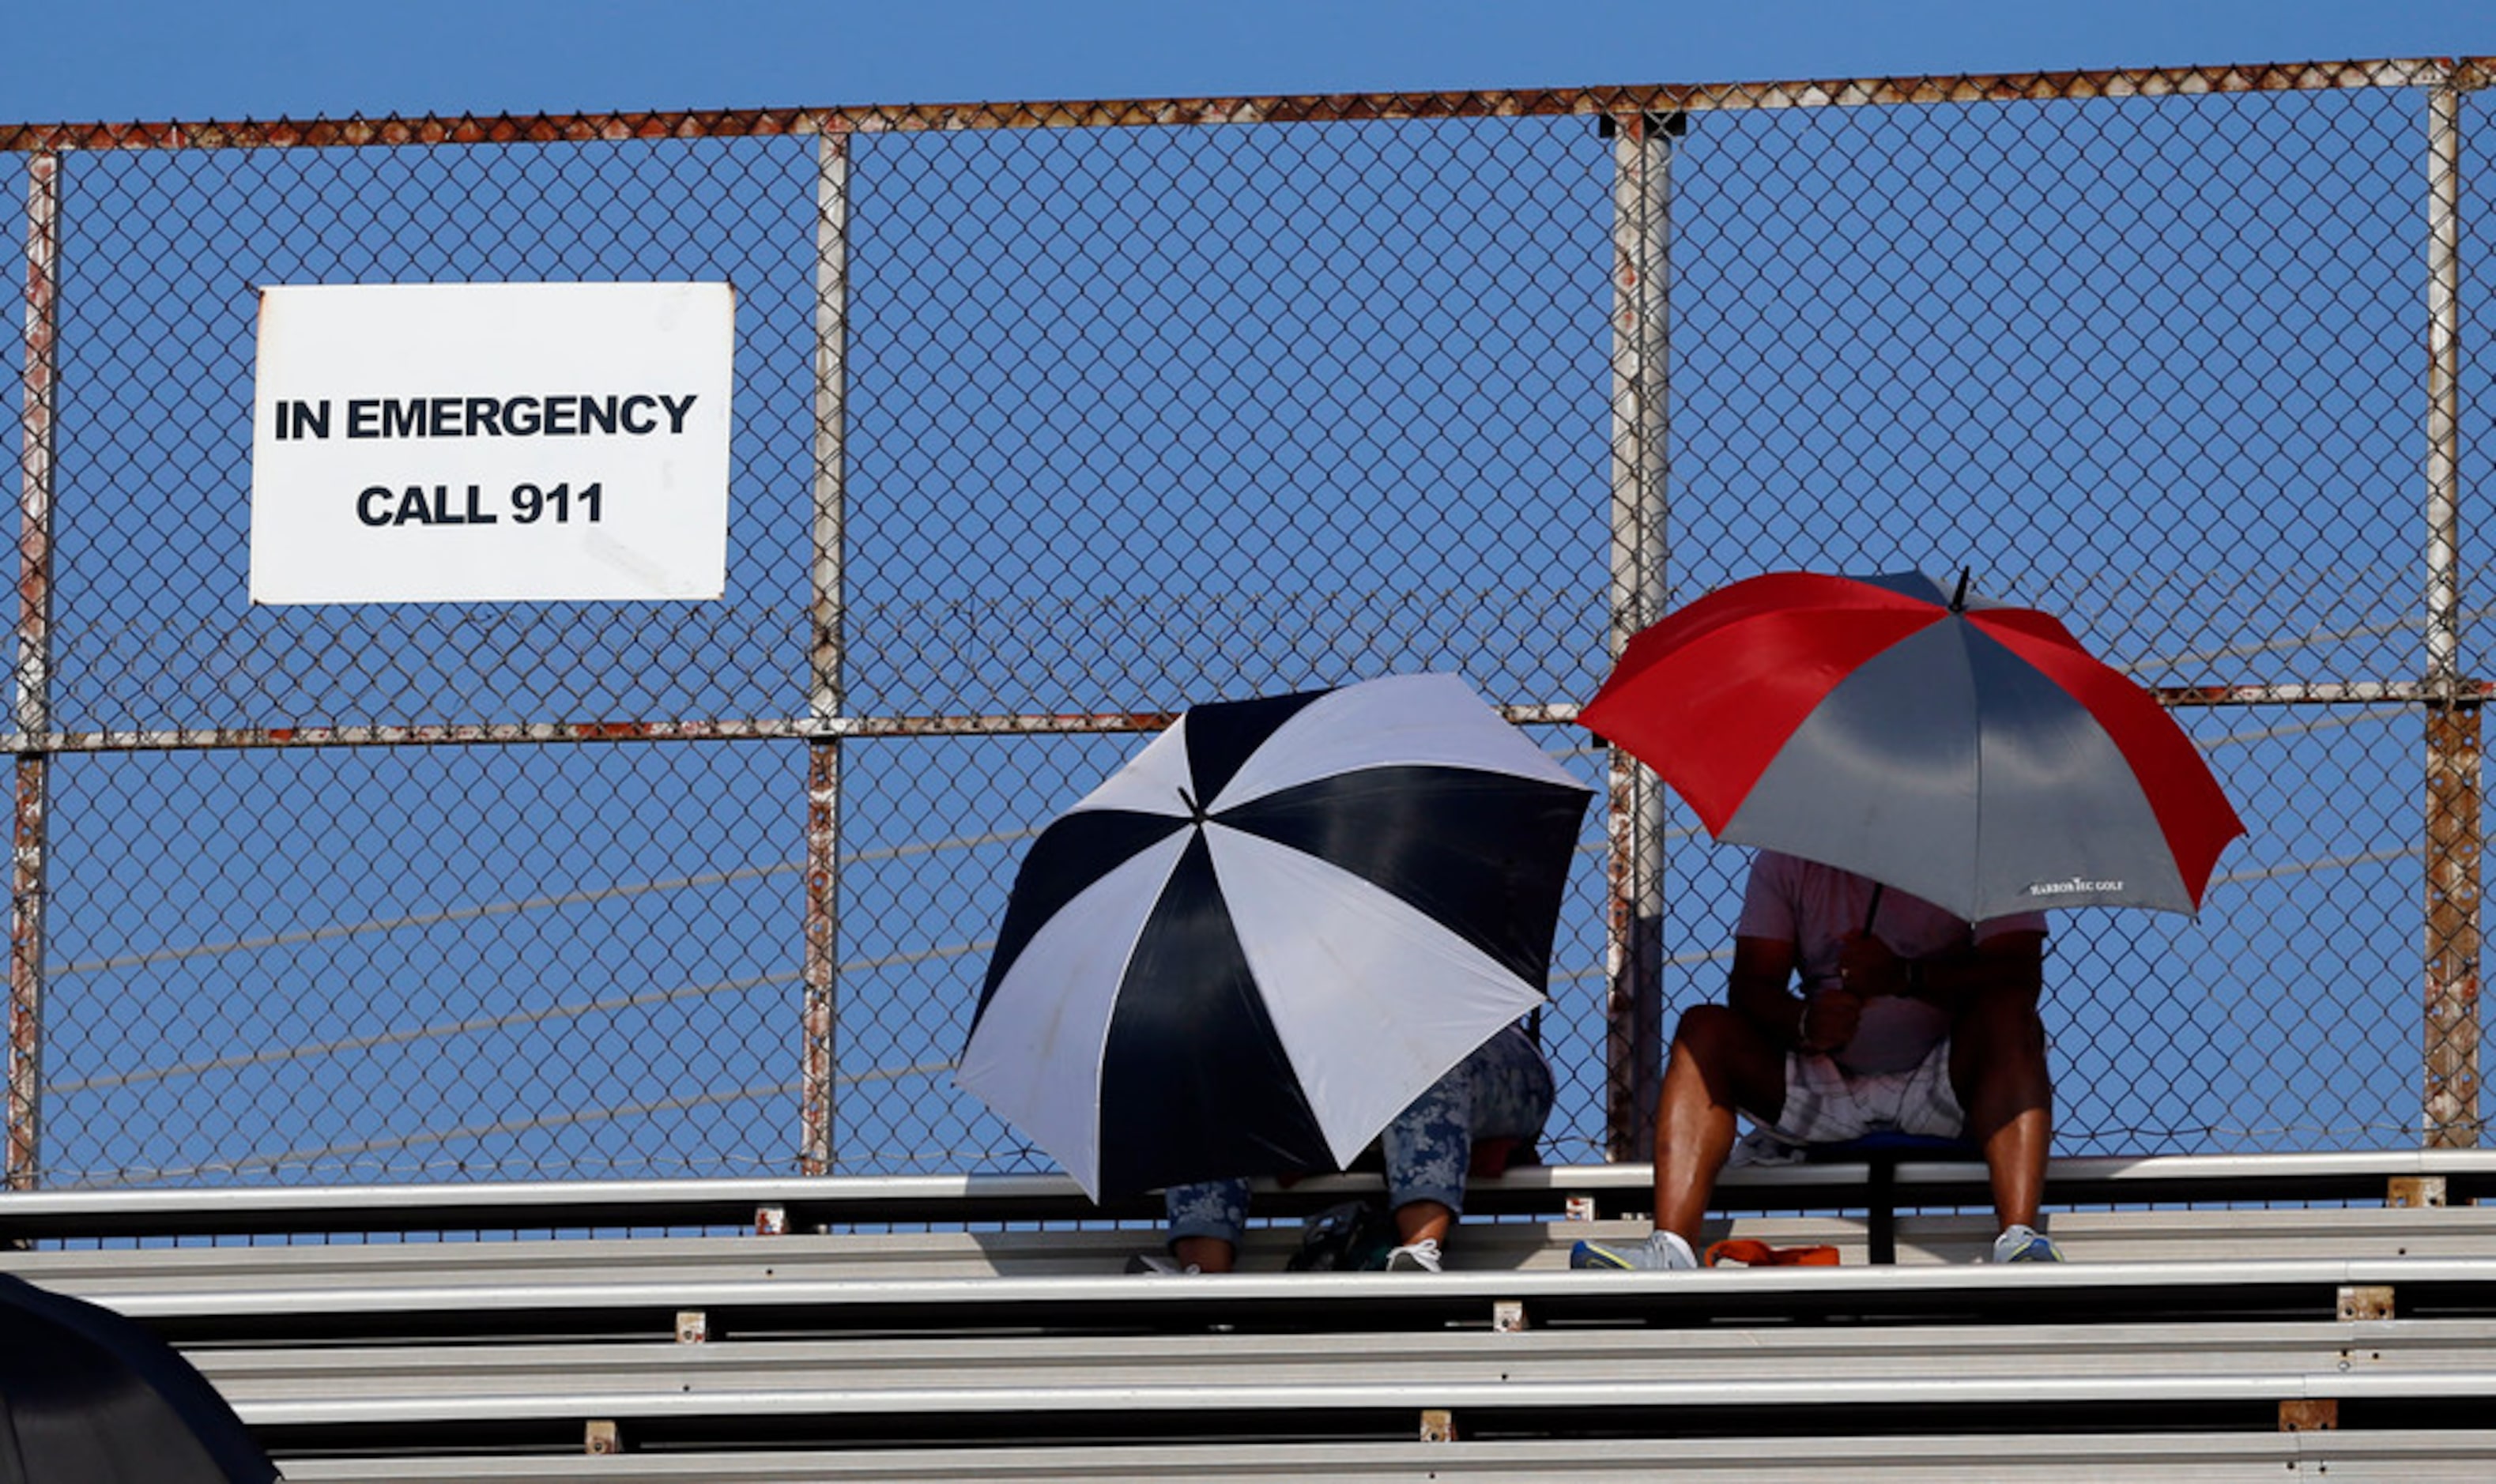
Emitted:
pixel 2329 1316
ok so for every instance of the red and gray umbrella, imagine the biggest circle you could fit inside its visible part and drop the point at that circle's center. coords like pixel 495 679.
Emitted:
pixel 1279 924
pixel 1967 751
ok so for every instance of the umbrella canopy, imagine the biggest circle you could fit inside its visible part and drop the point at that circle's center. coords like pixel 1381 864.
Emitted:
pixel 1279 924
pixel 1932 740
pixel 87 1397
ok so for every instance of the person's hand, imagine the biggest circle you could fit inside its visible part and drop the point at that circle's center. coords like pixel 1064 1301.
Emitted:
pixel 1829 1017
pixel 1866 967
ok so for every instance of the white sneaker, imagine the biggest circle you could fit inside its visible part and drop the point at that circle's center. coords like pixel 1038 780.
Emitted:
pixel 1662 1251
pixel 1421 1256
pixel 1153 1262
pixel 2026 1244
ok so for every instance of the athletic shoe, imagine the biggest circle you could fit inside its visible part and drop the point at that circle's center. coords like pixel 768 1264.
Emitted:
pixel 1661 1251
pixel 2026 1244
pixel 1154 1262
pixel 1421 1256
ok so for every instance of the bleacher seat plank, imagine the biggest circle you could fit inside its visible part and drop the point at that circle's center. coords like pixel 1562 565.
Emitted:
pixel 410 1306
pixel 2378 1457
pixel 842 1202
pixel 2087 1236
pixel 989 1371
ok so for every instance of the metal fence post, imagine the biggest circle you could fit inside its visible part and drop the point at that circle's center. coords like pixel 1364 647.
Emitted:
pixel 33 713
pixel 2450 1110
pixel 1642 240
pixel 826 701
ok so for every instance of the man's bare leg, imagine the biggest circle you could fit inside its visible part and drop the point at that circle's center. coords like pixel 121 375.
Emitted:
pixel 1418 1220
pixel 1998 1069
pixel 1720 1063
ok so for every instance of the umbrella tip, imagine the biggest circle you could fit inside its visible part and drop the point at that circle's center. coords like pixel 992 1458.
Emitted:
pixel 1958 600
pixel 1195 815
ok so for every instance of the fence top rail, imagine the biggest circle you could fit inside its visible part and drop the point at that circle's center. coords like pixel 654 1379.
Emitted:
pixel 1056 723
pixel 1615 102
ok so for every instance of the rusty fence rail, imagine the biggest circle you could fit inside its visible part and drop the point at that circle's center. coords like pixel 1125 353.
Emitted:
pixel 1053 419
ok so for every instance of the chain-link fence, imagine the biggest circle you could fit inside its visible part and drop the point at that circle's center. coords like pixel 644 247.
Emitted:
pixel 1051 420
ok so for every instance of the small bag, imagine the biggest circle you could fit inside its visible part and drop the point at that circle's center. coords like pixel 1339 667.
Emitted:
pixel 1751 1253
pixel 1348 1238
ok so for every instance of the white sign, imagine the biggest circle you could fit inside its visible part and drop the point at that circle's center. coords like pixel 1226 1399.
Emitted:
pixel 419 442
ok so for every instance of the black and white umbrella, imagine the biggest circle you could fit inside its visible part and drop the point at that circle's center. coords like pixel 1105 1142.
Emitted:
pixel 89 1397
pixel 1279 924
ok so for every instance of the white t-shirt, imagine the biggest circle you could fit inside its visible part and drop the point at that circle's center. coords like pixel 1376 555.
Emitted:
pixel 1814 907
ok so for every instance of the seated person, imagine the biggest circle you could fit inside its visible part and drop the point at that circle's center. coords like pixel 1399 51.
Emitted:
pixel 1908 1019
pixel 1485 1108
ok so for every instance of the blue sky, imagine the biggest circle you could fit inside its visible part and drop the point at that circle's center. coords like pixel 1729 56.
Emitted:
pixel 119 60
pixel 504 924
